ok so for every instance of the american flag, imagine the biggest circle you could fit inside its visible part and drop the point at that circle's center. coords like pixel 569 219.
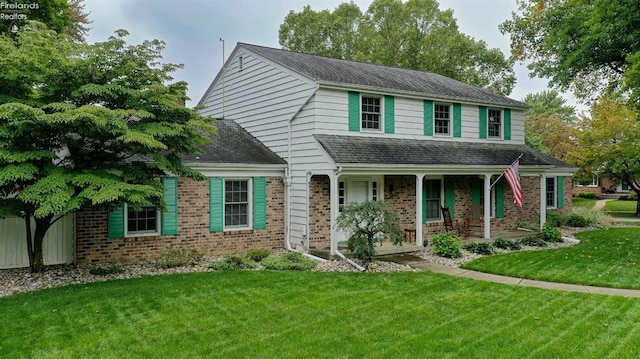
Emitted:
pixel 513 177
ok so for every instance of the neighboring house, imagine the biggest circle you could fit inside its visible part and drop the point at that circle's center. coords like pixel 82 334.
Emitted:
pixel 240 207
pixel 352 131
pixel 602 187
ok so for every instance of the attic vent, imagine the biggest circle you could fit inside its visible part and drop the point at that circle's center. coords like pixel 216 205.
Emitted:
pixel 240 64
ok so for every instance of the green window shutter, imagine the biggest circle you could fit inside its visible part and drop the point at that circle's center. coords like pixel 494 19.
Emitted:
pixel 354 111
pixel 450 195
pixel 507 123
pixel 428 118
pixel 457 120
pixel 115 223
pixel 389 114
pixel 216 204
pixel 476 191
pixel 499 188
pixel 259 203
pixel 170 217
pixel 560 191
pixel 482 113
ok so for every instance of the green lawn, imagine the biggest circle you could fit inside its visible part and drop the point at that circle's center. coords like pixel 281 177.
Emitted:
pixel 583 202
pixel 620 206
pixel 261 314
pixel 606 258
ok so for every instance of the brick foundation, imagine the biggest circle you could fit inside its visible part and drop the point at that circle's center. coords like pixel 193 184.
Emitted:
pixel 319 212
pixel 93 246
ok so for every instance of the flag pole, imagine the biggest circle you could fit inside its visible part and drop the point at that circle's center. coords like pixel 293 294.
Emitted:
pixel 502 174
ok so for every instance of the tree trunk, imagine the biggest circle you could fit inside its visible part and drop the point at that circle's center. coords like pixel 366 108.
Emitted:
pixel 35 242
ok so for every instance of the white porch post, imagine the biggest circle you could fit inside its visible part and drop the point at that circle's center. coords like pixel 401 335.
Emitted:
pixel 419 209
pixel 333 194
pixel 487 206
pixel 543 200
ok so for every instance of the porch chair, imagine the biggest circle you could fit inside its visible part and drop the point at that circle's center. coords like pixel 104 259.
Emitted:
pixel 475 221
pixel 460 229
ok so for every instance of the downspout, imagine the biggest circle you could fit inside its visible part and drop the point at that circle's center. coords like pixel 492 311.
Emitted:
pixel 288 179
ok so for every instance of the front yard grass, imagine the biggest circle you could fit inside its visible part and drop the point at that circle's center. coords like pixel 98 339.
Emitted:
pixel 606 258
pixel 583 202
pixel 266 314
pixel 617 207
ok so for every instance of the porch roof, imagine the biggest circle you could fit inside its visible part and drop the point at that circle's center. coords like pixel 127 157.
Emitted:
pixel 359 150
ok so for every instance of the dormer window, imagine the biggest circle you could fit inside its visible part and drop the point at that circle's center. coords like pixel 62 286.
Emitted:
pixel 371 115
pixel 442 119
pixel 495 123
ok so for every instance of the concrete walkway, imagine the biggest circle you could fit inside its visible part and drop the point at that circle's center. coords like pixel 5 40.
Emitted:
pixel 419 263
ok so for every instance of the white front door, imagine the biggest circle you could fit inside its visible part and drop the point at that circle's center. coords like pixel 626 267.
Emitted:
pixel 357 191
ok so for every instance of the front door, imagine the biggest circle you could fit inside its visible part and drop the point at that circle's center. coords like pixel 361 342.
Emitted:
pixel 357 191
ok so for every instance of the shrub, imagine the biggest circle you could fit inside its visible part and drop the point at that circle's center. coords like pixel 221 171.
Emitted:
pixel 108 270
pixel 447 245
pixel 550 233
pixel 554 219
pixel 289 261
pixel 367 223
pixel 506 244
pixel 533 242
pixel 234 263
pixel 257 255
pixel 177 257
pixel 597 219
pixel 575 220
pixel 586 194
pixel 632 196
pixel 484 249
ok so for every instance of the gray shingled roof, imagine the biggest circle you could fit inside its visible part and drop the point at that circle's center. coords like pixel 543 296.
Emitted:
pixel 233 144
pixel 369 76
pixel 393 151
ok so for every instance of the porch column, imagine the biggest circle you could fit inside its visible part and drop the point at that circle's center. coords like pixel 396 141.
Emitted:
pixel 419 209
pixel 333 194
pixel 487 206
pixel 543 200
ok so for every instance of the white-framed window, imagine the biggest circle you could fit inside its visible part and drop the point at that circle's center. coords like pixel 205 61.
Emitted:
pixel 551 193
pixel 442 119
pixel 374 190
pixel 433 199
pixel 145 222
pixel 341 195
pixel 371 113
pixel 357 189
pixel 494 123
pixel 237 197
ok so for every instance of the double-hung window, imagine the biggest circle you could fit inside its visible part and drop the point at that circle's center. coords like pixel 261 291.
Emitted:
pixel 371 113
pixel 551 192
pixel 495 123
pixel 236 203
pixel 144 221
pixel 442 119
pixel 433 196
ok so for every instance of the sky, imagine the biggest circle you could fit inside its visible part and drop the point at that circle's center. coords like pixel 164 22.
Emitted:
pixel 192 30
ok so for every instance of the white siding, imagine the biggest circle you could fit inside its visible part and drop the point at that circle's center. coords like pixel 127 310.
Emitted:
pixel 261 98
pixel 333 118
pixel 59 242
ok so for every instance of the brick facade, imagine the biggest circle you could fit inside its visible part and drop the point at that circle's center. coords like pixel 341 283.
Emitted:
pixel 93 246
pixel 319 212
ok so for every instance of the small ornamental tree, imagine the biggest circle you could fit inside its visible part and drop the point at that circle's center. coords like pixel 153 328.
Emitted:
pixel 87 125
pixel 367 223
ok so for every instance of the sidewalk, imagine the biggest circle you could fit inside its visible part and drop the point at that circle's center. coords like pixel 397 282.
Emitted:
pixel 419 263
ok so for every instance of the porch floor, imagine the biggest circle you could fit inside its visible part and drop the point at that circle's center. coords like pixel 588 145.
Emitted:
pixel 386 248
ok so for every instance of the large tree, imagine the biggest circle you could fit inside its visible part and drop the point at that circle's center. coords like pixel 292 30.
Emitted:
pixel 589 46
pixel 550 124
pixel 609 141
pixel 82 125
pixel 414 34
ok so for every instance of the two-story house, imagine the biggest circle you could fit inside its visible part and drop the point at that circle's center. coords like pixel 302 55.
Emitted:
pixel 352 131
